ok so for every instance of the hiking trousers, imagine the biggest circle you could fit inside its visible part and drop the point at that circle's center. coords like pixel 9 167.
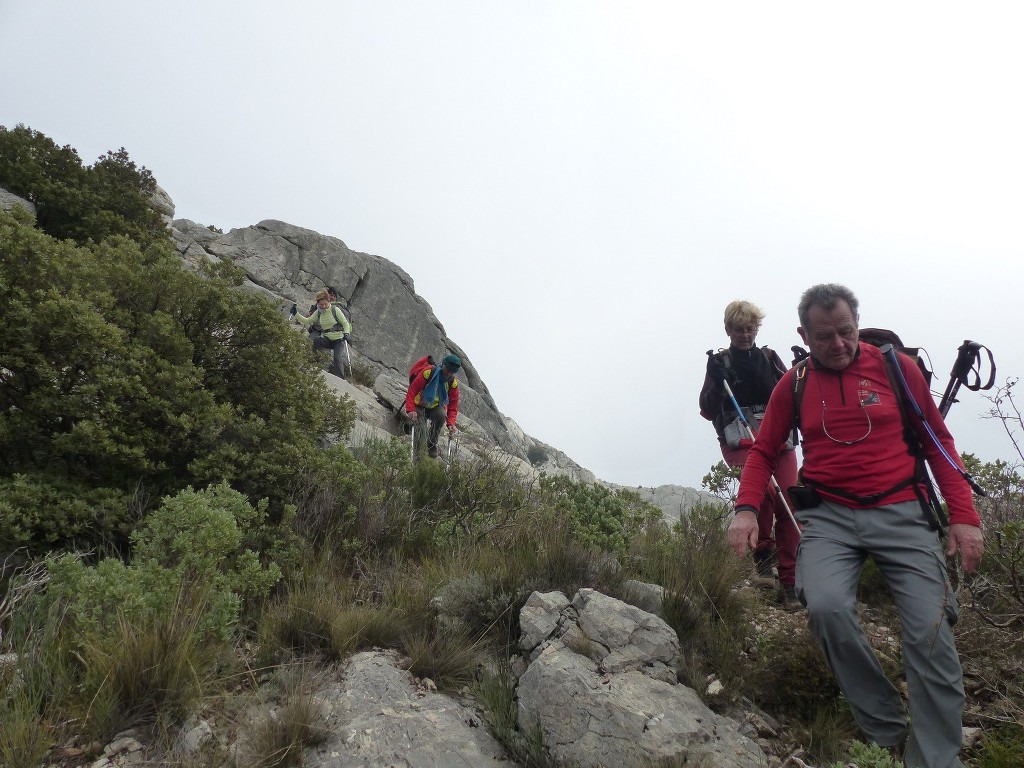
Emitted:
pixel 836 541
pixel 776 533
pixel 337 347
pixel 437 417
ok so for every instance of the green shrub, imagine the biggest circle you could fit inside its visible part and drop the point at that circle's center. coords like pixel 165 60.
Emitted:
pixel 173 378
pixel 537 456
pixel 196 539
pixel 42 511
pixel 362 374
pixel 599 516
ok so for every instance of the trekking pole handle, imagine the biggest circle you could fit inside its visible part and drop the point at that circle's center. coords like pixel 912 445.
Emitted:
pixel 889 351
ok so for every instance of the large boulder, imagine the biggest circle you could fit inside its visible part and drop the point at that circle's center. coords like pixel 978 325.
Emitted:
pixel 601 687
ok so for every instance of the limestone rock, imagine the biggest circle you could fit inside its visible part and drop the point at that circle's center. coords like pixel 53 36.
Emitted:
pixel 161 202
pixel 605 707
pixel 538 618
pixel 381 718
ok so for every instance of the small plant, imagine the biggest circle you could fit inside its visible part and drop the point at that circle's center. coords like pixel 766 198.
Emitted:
pixel 362 374
pixel 789 672
pixel 320 618
pixel 868 756
pixel 537 456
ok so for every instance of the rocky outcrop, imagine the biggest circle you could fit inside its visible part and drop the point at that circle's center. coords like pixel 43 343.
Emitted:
pixel 8 200
pixel 392 325
pixel 601 687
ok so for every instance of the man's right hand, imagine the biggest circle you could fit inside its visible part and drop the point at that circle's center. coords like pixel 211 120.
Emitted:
pixel 742 533
pixel 412 416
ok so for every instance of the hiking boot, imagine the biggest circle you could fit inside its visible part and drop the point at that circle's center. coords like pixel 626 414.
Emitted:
pixel 790 602
pixel 764 576
pixel 432 451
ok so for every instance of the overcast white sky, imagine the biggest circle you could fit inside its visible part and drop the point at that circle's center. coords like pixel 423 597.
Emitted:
pixel 579 188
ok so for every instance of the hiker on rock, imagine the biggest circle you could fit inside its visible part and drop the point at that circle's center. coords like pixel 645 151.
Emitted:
pixel 860 499
pixel 329 329
pixel 752 373
pixel 434 395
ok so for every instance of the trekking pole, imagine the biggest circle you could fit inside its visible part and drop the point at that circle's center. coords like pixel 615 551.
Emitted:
pixel 968 360
pixel 750 434
pixel 889 351
pixel 412 442
pixel 348 357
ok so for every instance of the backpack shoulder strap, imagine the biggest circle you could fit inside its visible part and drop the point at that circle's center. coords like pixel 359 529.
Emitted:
pixel 799 384
pixel 771 356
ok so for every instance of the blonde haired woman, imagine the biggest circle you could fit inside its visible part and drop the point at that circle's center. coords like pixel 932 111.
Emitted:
pixel 752 373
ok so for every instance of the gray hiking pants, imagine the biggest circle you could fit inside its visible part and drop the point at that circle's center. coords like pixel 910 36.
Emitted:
pixel 835 542
pixel 337 347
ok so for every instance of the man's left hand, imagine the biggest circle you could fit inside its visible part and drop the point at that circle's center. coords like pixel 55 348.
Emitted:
pixel 451 429
pixel 969 540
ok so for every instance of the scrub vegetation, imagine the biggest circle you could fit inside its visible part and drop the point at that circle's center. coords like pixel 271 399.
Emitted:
pixel 181 529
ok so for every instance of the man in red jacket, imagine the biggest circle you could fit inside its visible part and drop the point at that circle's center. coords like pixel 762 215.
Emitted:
pixel 857 462
pixel 434 394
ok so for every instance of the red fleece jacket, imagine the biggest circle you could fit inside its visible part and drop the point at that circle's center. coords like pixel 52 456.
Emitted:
pixel 413 396
pixel 856 404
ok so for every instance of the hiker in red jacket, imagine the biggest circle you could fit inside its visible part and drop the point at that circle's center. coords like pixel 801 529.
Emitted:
pixel 434 394
pixel 859 499
pixel 752 372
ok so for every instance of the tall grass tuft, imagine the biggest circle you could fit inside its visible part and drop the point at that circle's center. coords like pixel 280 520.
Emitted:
pixel 695 566
pixel 25 735
pixel 450 658
pixel 152 670
pixel 282 734
pixel 317 617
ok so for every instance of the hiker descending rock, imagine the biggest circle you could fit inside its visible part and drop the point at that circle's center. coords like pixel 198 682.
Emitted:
pixel 434 394
pixel 750 373
pixel 862 496
pixel 329 329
